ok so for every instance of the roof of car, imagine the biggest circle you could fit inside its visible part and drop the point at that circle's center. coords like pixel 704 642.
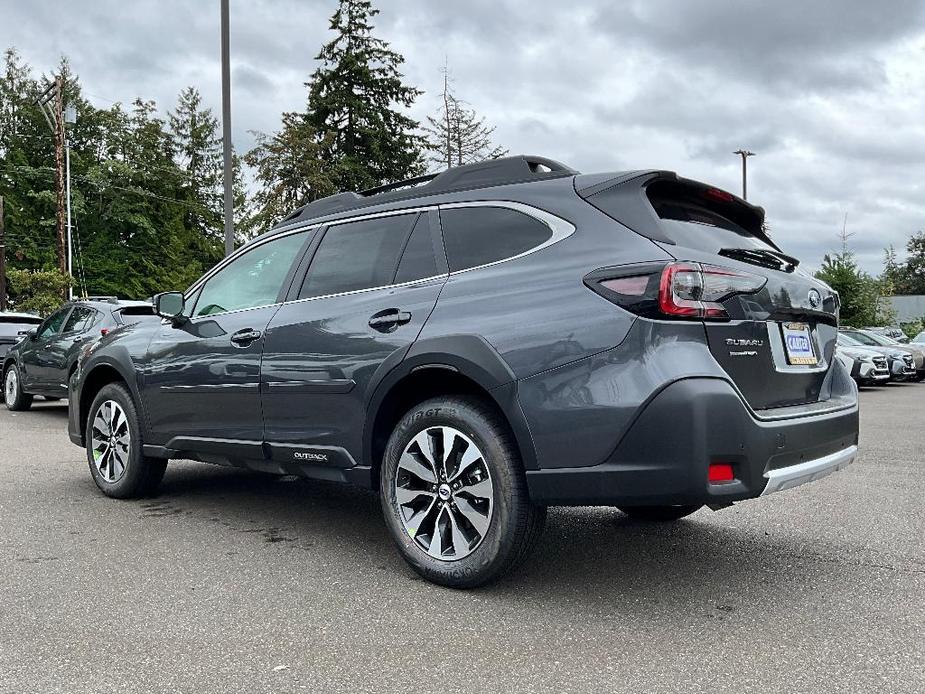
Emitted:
pixel 494 172
pixel 111 301
pixel 14 314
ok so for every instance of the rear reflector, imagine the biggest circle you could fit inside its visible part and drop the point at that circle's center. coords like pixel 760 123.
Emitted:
pixel 104 331
pixel 720 472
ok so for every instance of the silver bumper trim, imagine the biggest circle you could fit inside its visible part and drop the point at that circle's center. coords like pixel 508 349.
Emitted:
pixel 809 471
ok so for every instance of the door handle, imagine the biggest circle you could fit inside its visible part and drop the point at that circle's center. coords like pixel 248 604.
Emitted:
pixel 389 319
pixel 244 337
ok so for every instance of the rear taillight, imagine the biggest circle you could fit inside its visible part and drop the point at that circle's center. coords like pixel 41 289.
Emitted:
pixel 675 290
pixel 104 331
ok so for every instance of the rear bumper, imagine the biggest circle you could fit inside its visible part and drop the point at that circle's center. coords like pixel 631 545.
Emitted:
pixel 665 455
pixel 810 471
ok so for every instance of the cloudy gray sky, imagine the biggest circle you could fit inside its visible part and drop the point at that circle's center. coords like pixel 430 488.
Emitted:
pixel 829 93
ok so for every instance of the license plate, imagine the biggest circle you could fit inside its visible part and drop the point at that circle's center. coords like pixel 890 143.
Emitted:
pixel 798 342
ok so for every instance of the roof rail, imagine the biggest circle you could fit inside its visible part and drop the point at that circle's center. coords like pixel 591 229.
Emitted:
pixel 493 172
pixel 110 299
pixel 407 183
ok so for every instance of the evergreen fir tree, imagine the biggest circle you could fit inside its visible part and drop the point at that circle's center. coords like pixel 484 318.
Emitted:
pixel 198 153
pixel 291 170
pixel 355 103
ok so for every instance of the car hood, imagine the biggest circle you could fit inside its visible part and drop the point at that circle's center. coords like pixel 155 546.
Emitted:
pixel 858 352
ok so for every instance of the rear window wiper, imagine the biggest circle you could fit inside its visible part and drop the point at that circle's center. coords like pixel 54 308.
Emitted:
pixel 764 257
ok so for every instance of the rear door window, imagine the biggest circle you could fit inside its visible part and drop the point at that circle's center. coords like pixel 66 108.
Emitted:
pixel 80 317
pixel 477 236
pixel 357 255
pixel 418 260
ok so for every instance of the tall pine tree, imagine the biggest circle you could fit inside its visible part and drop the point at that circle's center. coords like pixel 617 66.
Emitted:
pixel 356 96
pixel 198 153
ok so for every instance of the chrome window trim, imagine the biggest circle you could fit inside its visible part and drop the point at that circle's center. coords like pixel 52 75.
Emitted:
pixel 561 229
pixel 368 289
pixel 374 215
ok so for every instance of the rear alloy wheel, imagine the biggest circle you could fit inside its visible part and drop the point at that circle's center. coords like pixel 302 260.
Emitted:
pixel 454 493
pixel 114 446
pixel 15 399
pixel 444 493
pixel 659 513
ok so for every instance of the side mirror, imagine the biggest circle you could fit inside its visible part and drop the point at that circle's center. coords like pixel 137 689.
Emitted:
pixel 170 305
pixel 28 334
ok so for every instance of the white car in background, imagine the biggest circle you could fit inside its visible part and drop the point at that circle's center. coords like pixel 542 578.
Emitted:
pixel 866 366
pixel 13 326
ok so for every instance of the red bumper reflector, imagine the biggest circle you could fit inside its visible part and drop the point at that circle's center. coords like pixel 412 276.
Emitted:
pixel 720 472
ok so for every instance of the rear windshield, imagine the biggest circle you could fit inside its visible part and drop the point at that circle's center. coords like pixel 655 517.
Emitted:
pixel 705 218
pixel 136 314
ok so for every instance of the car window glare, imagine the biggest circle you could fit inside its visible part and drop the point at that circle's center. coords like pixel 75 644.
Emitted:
pixel 53 323
pixel 252 279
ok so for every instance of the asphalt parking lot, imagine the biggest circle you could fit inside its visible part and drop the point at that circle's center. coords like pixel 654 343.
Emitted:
pixel 239 582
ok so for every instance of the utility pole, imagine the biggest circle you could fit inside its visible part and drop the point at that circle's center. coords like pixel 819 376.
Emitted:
pixel 51 102
pixel 2 259
pixel 226 135
pixel 745 154
pixel 69 117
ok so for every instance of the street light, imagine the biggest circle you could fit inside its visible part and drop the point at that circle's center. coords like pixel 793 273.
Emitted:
pixel 745 154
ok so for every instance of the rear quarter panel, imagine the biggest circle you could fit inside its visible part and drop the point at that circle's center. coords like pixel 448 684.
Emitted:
pixel 535 311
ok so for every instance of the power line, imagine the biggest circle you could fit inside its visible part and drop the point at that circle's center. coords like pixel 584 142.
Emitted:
pixel 97 184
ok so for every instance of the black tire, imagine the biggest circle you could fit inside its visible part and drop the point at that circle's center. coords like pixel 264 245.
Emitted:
pixel 141 474
pixel 515 523
pixel 19 401
pixel 659 513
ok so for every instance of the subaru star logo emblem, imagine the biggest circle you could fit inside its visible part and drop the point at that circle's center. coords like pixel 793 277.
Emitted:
pixel 815 298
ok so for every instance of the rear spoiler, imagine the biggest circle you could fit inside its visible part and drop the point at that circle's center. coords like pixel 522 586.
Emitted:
pixel 629 193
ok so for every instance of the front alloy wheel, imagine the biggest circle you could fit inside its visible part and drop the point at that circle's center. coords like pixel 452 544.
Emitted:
pixel 444 493
pixel 13 396
pixel 115 446
pixel 110 441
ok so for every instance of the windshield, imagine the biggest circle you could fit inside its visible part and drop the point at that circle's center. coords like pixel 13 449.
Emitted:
pixel 873 339
pixel 846 341
pixel 883 339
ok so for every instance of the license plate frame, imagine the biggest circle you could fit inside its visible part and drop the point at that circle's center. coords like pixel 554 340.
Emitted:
pixel 799 346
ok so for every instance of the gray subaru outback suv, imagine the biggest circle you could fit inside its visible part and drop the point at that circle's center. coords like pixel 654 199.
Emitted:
pixel 484 343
